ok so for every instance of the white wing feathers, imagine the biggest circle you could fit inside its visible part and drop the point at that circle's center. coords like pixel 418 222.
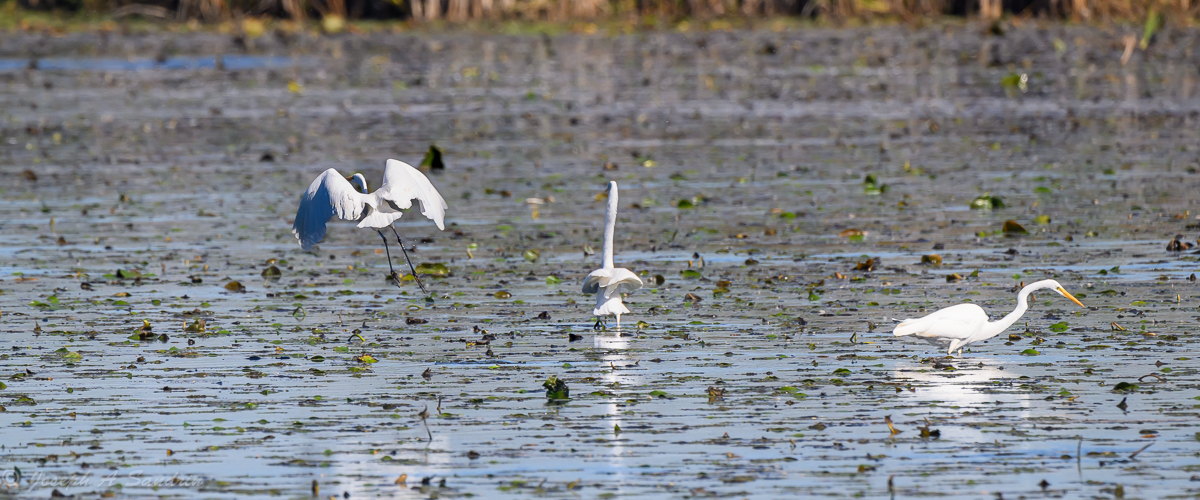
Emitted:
pixel 401 185
pixel 955 322
pixel 329 194
pixel 613 281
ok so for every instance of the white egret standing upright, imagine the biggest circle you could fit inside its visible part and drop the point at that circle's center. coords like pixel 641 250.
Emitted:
pixel 332 194
pixel 967 323
pixel 609 282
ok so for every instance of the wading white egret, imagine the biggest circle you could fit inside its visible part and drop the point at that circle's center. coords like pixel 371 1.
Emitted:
pixel 332 194
pixel 608 282
pixel 967 323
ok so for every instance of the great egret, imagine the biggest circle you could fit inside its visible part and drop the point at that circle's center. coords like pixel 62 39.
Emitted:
pixel 967 323
pixel 609 282
pixel 332 194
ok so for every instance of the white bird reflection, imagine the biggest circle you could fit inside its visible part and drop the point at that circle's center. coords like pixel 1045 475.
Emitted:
pixel 618 373
pixel 963 386
pixel 614 341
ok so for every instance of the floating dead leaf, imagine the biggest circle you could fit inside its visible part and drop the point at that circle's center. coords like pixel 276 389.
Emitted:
pixel 715 393
pixel 693 298
pixel 1011 227
pixel 932 259
pixel 866 265
pixel 272 273
pixel 852 232
pixel 235 286
pixel 502 294
pixel 402 480
pixel 888 420
pixel 196 326
pixel 532 255
pixel 927 432
pixel 953 277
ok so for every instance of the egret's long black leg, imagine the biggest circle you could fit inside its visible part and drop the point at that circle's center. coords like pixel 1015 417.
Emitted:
pixel 395 279
pixel 410 264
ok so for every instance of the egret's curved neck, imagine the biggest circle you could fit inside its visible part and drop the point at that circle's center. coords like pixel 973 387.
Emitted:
pixel 610 225
pixel 362 182
pixel 1012 317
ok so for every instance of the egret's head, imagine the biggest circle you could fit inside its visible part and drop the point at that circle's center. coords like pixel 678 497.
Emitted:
pixel 360 182
pixel 1054 285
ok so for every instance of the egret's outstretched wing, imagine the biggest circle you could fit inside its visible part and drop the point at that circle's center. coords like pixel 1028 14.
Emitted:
pixel 328 195
pixel 401 185
pixel 591 284
pixel 622 281
pixel 613 280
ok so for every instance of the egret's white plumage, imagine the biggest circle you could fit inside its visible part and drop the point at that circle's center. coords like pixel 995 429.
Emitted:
pixel 609 282
pixel 965 324
pixel 332 194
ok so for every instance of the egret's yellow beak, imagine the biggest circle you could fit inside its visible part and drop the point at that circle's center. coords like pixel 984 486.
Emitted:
pixel 1068 295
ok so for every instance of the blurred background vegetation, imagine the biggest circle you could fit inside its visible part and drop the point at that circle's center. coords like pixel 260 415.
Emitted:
pixel 333 15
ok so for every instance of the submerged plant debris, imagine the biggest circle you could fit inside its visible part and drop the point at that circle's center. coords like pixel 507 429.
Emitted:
pixel 164 327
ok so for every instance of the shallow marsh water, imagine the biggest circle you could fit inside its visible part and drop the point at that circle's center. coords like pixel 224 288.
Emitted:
pixel 151 157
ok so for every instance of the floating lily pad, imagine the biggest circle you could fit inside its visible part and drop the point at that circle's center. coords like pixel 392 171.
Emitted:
pixel 433 269
pixel 433 159
pixel 1125 387
pixel 556 388
pixel 986 202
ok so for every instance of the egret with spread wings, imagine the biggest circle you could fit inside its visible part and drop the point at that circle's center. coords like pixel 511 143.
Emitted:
pixel 609 282
pixel 332 194
pixel 967 323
